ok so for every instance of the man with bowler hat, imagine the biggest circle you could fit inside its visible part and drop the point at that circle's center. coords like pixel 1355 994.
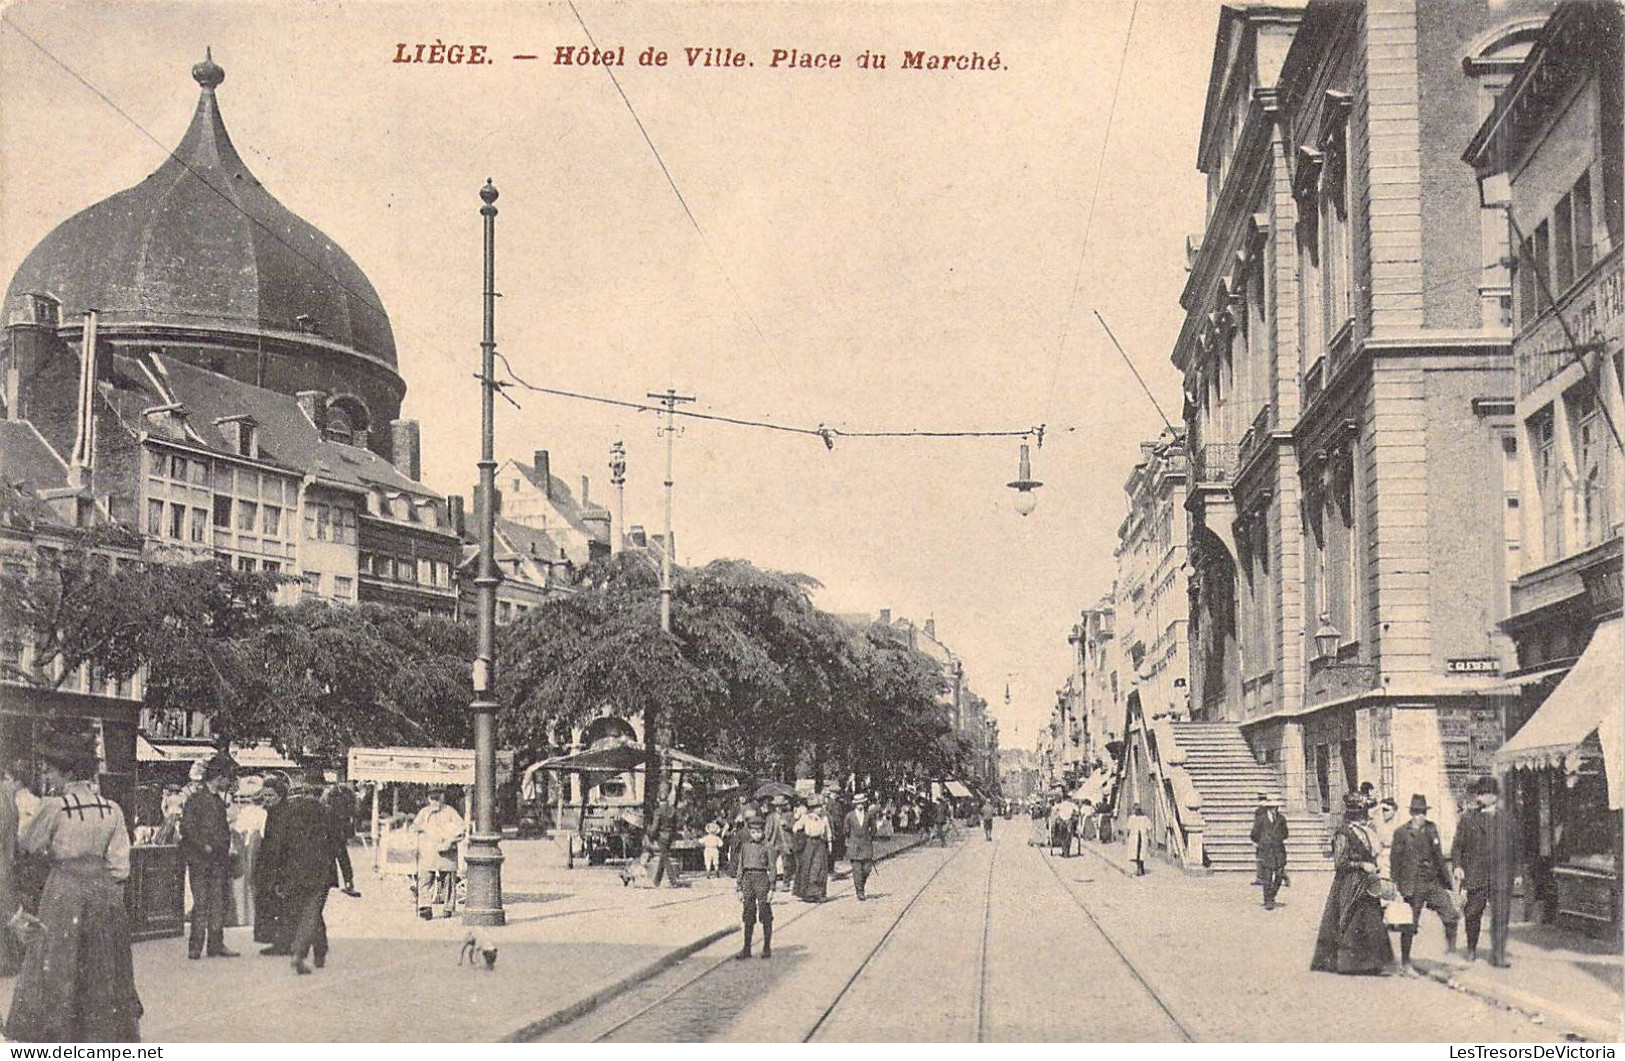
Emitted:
pixel 1484 856
pixel 206 847
pixel 1422 876
pixel 1269 834
pixel 860 842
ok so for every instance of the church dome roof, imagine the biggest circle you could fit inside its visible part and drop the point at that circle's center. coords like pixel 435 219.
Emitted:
pixel 200 244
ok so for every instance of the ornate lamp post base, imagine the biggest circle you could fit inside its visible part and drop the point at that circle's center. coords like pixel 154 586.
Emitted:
pixel 484 905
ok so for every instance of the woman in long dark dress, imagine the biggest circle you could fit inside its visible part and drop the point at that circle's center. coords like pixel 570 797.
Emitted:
pixel 77 983
pixel 270 925
pixel 812 864
pixel 1353 938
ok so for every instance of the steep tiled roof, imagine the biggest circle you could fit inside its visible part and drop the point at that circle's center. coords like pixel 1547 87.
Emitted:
pixel 26 460
pixel 286 435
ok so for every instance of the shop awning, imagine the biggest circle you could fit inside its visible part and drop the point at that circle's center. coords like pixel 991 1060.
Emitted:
pixel 421 766
pixel 1513 684
pixel 251 757
pixel 1586 701
pixel 1093 788
pixel 957 789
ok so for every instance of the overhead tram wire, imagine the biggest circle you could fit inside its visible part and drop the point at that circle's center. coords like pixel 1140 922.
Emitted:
pixel 362 297
pixel 682 200
pixel 823 432
pixel 1139 378
pixel 1089 222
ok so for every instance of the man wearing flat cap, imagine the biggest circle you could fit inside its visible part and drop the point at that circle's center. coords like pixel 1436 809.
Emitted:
pixel 1484 855
pixel 206 847
pixel 1422 876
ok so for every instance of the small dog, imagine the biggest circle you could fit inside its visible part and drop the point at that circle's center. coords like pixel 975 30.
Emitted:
pixel 475 947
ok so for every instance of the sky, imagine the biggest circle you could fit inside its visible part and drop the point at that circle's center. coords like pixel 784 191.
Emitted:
pixel 863 248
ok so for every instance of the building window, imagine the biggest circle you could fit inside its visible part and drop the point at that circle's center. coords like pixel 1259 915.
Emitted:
pixel 200 524
pixel 246 564
pixel 504 612
pixel 1563 244
pixel 247 515
pixel 155 518
pixel 200 473
pixel 177 469
pixel 1592 516
pixel 343 587
pixel 272 567
pixel 343 525
pixel 1528 283
pixel 1585 243
pixel 222 511
pixel 317 515
pixel 177 521
pixel 1549 481
pixel 1512 526
pixel 273 521
pixel 310 585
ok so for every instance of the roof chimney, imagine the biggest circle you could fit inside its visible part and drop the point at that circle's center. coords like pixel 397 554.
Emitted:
pixel 931 628
pixel 544 472
pixel 457 515
pixel 885 616
pixel 586 488
pixel 405 448
pixel 640 538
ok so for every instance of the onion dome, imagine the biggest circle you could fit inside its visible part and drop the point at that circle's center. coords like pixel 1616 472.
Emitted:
pixel 201 245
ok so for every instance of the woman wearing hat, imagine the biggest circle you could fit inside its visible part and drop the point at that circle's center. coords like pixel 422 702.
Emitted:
pixel 1353 938
pixel 812 863
pixel 78 980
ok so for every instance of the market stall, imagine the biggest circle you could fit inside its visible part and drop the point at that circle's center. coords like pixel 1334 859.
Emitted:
pixel 394 850
pixel 601 836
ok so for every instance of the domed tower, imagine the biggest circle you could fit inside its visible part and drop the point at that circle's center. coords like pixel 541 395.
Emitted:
pixel 200 261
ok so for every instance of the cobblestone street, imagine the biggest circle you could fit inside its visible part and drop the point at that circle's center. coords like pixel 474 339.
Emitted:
pixel 1002 942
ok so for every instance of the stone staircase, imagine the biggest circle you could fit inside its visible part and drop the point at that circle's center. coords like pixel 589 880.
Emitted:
pixel 1223 770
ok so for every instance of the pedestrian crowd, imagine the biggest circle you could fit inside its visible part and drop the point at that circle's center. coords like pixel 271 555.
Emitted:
pixel 264 850
pixel 1387 872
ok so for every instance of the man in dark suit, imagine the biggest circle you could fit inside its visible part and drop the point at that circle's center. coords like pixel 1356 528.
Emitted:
pixel 1484 855
pixel 859 826
pixel 1269 834
pixel 1422 876
pixel 206 847
pixel 306 870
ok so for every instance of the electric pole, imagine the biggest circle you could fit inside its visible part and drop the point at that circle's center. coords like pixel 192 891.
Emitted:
pixel 653 779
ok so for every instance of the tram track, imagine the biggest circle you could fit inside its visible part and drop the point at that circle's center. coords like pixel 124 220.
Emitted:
pixel 891 930
pixel 1134 970
pixel 780 925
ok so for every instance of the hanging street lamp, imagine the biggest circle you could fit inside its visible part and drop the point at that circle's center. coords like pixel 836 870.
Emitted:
pixel 1024 484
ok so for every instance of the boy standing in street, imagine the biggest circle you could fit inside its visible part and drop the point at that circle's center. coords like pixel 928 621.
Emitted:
pixel 754 878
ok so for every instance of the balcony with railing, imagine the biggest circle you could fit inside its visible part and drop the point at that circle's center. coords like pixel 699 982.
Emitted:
pixel 1255 436
pixel 1215 464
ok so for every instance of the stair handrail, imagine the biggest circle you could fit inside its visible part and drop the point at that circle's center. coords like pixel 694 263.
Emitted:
pixel 1182 801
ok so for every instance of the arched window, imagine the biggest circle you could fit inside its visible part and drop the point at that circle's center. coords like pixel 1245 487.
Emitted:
pixel 348 420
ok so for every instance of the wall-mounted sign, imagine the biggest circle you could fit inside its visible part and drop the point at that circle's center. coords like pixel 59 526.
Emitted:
pixel 1474 665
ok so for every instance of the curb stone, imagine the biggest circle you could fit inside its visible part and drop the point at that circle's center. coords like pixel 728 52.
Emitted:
pixel 1562 1021
pixel 593 999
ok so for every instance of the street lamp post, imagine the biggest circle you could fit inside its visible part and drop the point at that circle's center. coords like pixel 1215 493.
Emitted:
pixel 484 906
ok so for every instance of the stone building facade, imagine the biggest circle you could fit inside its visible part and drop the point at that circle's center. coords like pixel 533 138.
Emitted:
pixel 1348 396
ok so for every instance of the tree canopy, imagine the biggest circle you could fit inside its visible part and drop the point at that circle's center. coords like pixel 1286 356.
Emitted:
pixel 752 671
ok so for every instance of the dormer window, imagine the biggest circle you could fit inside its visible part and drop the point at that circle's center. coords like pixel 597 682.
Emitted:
pixel 242 435
pixel 339 428
pixel 44 310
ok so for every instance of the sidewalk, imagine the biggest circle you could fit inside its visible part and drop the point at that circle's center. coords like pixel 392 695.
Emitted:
pixel 574 938
pixel 1569 984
